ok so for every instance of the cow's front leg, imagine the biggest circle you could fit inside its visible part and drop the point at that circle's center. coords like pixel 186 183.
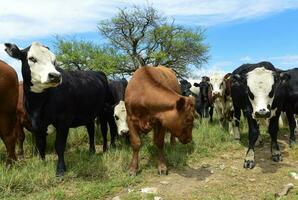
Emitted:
pixel 273 129
pixel 159 137
pixel 61 138
pixel 135 144
pixel 249 161
pixel 41 142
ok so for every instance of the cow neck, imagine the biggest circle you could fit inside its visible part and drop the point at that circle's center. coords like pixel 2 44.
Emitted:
pixel 33 102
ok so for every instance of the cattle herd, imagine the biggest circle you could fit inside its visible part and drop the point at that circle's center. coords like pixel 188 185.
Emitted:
pixel 152 100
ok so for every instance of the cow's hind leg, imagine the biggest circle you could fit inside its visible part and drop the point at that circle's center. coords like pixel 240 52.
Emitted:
pixel 135 144
pixel 273 129
pixel 159 137
pixel 249 161
pixel 236 123
pixel 292 125
pixel 90 129
pixel 20 140
pixel 61 139
pixel 104 132
pixel 113 129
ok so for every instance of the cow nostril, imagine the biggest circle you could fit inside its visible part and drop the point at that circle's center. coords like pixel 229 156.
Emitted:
pixel 54 76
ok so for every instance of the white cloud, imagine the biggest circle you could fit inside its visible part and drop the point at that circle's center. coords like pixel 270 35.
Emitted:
pixel 246 59
pixel 286 61
pixel 33 18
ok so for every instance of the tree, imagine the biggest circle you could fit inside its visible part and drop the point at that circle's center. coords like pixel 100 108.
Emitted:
pixel 148 38
pixel 84 55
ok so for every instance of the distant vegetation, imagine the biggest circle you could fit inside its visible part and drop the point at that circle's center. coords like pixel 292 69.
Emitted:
pixel 136 37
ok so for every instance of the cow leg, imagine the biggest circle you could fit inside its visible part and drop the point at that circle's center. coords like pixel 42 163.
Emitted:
pixel 20 142
pixel 90 129
pixel 249 161
pixel 236 123
pixel 292 125
pixel 273 129
pixel 104 132
pixel 20 138
pixel 60 143
pixel 113 129
pixel 135 144
pixel 211 114
pixel 172 140
pixel 41 141
pixel 159 137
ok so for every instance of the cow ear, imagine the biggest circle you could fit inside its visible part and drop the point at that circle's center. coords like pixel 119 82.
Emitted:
pixel 284 76
pixel 180 103
pixel 13 50
pixel 238 78
pixel 196 84
pixel 227 76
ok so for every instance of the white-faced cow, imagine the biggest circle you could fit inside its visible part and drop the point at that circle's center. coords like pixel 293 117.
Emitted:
pixel 64 99
pixel 253 91
pixel 120 118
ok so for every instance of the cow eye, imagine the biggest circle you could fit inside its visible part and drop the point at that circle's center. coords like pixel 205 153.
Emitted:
pixel 32 59
pixel 271 93
pixel 116 117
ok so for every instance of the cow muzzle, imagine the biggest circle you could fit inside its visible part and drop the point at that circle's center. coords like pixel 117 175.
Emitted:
pixel 54 77
pixel 262 113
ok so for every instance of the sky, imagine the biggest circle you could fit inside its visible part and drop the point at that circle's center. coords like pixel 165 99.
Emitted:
pixel 237 31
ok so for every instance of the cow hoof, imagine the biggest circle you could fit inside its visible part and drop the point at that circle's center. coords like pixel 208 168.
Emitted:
pixel 132 172
pixel 60 175
pixel 277 157
pixel 249 164
pixel 161 172
pixel 292 143
pixel 92 151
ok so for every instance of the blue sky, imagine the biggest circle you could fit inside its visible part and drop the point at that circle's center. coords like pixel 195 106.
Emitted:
pixel 237 31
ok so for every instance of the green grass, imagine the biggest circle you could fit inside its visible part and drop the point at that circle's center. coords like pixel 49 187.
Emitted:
pixel 104 174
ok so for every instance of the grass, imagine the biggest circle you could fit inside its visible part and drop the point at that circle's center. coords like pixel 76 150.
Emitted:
pixel 105 175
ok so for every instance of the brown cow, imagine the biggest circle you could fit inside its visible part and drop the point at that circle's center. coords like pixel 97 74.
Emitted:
pixel 153 101
pixel 22 121
pixel 8 105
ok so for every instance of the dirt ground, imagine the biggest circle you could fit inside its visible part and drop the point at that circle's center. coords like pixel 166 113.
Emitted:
pixel 223 177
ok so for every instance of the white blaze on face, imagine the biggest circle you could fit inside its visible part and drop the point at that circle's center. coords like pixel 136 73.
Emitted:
pixel 120 118
pixel 260 82
pixel 41 62
pixel 217 82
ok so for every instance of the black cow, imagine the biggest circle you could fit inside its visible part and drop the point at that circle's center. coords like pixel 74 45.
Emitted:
pixel 288 95
pixel 204 105
pixel 64 99
pixel 253 90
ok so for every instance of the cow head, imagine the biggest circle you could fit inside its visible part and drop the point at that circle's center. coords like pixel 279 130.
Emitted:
pixel 179 119
pixel 218 85
pixel 185 88
pixel 261 84
pixel 38 66
pixel 120 118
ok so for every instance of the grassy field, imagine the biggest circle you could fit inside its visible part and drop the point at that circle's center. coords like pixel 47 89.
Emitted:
pixel 208 168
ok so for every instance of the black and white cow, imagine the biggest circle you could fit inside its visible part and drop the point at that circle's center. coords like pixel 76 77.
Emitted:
pixel 253 89
pixel 64 99
pixel 117 123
